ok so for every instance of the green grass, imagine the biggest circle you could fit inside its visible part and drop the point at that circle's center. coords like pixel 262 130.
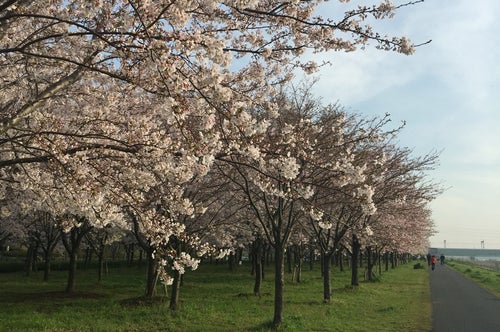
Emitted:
pixel 215 299
pixel 486 278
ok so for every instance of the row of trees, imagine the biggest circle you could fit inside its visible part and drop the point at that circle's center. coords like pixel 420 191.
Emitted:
pixel 349 188
pixel 169 120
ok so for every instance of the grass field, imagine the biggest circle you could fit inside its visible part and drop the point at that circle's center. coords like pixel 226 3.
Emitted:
pixel 487 278
pixel 214 299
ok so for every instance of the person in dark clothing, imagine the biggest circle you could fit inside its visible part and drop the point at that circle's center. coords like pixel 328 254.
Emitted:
pixel 441 259
pixel 428 259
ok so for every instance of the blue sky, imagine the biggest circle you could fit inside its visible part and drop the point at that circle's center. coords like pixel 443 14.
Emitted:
pixel 448 93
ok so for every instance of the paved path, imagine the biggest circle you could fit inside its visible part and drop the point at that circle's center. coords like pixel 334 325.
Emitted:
pixel 459 305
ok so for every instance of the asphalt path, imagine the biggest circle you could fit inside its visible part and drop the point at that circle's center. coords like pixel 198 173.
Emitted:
pixel 460 305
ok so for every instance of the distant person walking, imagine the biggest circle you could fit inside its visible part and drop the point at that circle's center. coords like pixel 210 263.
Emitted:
pixel 441 259
pixel 433 262
pixel 428 259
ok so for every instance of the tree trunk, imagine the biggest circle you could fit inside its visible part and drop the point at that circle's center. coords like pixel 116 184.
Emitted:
pixel 176 285
pixel 258 277
pixel 289 259
pixel 72 241
pixel 46 266
pixel 298 264
pixel 88 257
pixel 257 258
pixel 355 257
pixel 230 260
pixel 268 253
pixel 379 258
pixel 130 254
pixel 48 252
pixel 29 261
pixel 311 257
pixel 321 263
pixel 100 268
pixel 139 261
pixel 340 256
pixel 327 287
pixel 239 255
pixel 151 276
pixel 114 251
pixel 369 264
pixel 35 257
pixel 279 283
pixel 73 259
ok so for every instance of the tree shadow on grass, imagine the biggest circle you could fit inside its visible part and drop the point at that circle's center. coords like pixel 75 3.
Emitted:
pixel 50 296
pixel 143 301
pixel 48 302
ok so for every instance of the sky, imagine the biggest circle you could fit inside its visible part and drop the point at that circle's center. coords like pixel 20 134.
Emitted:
pixel 448 93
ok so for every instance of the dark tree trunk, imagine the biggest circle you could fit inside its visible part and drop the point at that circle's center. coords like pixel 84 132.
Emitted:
pixel 258 277
pixel 321 264
pixel 239 255
pixel 176 286
pixel 151 276
pixel 268 254
pixel 340 257
pixel 46 266
pixel 139 261
pixel 232 261
pixel 72 241
pixel 114 251
pixel 327 287
pixel 311 257
pixel 257 258
pixel 130 254
pixel 379 258
pixel 88 257
pixel 35 257
pixel 73 259
pixel 100 268
pixel 48 253
pixel 299 271
pixel 48 242
pixel 386 261
pixel 29 260
pixel 354 265
pixel 298 263
pixel 289 259
pixel 279 283
pixel 369 264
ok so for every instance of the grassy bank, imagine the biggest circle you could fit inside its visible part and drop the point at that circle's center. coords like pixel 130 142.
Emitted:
pixel 487 278
pixel 215 299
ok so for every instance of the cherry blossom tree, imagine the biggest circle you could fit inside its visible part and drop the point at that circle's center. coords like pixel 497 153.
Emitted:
pixel 270 178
